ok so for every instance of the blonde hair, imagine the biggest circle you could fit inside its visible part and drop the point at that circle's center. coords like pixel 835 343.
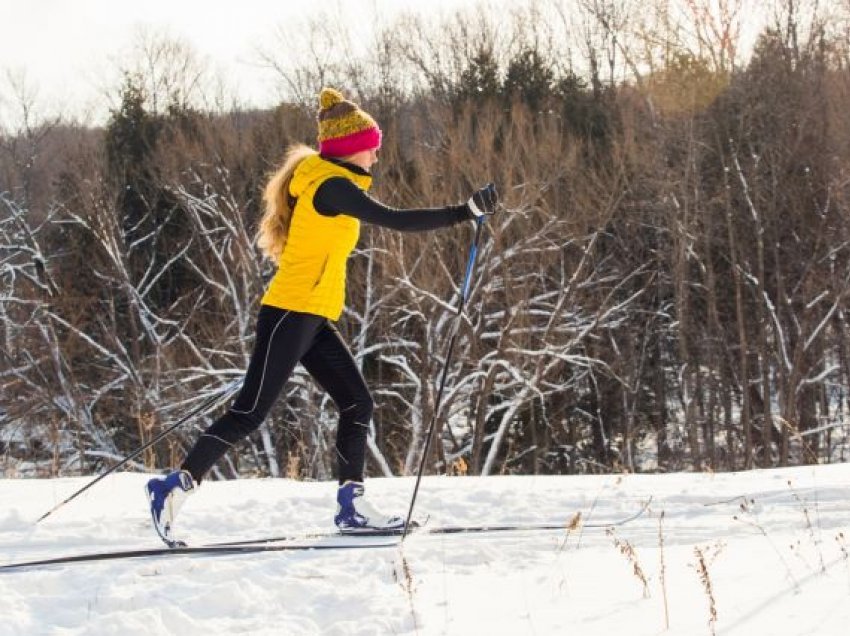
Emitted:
pixel 278 203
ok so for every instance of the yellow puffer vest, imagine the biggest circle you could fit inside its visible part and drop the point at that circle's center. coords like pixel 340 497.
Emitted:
pixel 310 276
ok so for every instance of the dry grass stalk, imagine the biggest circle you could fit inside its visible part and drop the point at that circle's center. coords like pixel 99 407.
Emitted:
pixel 745 508
pixel 842 544
pixel 628 551
pixel 663 570
pixel 573 525
pixel 403 575
pixel 293 465
pixel 705 579
pixel 458 468
pixel 146 422
pixel 809 527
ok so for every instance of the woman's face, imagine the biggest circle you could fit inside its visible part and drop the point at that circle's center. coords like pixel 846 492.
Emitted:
pixel 364 159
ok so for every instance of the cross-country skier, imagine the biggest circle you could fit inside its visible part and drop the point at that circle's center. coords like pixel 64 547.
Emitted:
pixel 314 204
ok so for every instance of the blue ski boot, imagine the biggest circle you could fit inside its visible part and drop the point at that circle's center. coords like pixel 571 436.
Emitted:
pixel 354 515
pixel 166 495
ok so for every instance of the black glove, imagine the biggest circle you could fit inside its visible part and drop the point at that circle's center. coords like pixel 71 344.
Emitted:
pixel 484 201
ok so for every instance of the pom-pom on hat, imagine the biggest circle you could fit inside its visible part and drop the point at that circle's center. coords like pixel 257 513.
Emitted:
pixel 344 129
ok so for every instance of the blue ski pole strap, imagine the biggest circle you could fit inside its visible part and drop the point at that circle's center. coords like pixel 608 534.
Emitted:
pixel 467 279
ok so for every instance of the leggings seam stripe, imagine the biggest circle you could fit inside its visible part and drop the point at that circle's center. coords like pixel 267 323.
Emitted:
pixel 220 439
pixel 265 367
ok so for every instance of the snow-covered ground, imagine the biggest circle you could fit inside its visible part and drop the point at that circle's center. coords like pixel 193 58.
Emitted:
pixel 764 552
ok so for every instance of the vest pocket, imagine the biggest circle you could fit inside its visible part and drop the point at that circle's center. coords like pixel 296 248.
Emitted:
pixel 321 274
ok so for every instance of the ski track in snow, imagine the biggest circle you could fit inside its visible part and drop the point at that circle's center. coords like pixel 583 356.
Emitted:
pixel 775 543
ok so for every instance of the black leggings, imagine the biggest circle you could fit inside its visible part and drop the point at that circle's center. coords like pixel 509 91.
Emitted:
pixel 283 339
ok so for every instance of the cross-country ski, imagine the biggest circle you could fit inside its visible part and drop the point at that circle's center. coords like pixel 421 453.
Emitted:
pixel 318 541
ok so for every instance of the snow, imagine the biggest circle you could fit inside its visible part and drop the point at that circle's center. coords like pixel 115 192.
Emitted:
pixel 774 544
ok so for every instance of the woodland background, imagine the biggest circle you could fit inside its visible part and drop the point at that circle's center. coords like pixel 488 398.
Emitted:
pixel 665 288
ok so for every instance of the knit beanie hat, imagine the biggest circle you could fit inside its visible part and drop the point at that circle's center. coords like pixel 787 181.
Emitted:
pixel 344 129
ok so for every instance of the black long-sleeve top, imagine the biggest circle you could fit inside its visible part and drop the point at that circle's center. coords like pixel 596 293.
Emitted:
pixel 339 195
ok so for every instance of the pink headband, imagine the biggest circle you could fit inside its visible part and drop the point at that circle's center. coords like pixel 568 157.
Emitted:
pixel 351 144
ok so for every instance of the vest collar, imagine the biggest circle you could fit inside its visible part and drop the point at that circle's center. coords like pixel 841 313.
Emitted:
pixel 347 166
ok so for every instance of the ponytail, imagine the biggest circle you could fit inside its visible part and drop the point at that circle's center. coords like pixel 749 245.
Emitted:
pixel 278 203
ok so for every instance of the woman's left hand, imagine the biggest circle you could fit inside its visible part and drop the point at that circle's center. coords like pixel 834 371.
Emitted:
pixel 484 201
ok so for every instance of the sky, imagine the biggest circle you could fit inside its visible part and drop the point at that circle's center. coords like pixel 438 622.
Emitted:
pixel 67 52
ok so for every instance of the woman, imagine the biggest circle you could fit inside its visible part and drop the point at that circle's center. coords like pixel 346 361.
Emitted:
pixel 314 204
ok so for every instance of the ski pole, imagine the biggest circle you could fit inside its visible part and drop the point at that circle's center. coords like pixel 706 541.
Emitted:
pixel 464 294
pixel 206 404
